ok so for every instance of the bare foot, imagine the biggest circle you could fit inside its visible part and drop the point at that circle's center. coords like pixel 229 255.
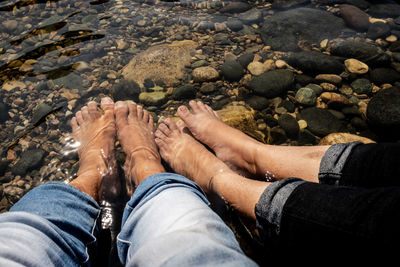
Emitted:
pixel 187 156
pixel 95 134
pixel 135 130
pixel 230 145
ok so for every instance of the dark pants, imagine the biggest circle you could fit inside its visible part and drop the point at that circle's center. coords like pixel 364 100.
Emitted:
pixel 354 210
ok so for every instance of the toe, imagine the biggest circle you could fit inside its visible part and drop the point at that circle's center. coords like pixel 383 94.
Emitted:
pixel 171 124
pixel 74 124
pixel 145 116
pixel 184 114
pixel 132 110
pixel 202 106
pixel 85 113
pixel 164 129
pixel 161 144
pixel 209 109
pixel 151 123
pixel 181 125
pixel 93 111
pixel 139 112
pixel 121 113
pixel 194 106
pixel 159 134
pixel 107 105
pixel 79 118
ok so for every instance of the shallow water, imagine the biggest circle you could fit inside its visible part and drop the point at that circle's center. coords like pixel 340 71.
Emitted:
pixel 55 56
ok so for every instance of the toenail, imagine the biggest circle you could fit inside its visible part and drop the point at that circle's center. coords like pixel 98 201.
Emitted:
pixel 106 100
pixel 183 108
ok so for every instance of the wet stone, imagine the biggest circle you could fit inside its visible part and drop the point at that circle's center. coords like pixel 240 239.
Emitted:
pixel 257 102
pixel 186 91
pixel 272 83
pixel 235 7
pixel 315 63
pixel 354 17
pixel 370 54
pixel 30 159
pixel 245 59
pixel 362 86
pixel 288 3
pixel 321 122
pixel 378 30
pixel 152 98
pixel 306 96
pixel 289 125
pixel 41 112
pixel 125 90
pixel 385 10
pixel 283 30
pixel 232 70
pixel 70 81
pixel 3 112
pixel 383 112
pixel 384 75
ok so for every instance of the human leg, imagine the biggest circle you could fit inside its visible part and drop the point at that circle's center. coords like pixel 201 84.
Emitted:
pixel 243 153
pixel 55 223
pixel 167 221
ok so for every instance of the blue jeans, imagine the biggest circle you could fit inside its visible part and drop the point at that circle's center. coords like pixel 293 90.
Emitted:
pixel 166 222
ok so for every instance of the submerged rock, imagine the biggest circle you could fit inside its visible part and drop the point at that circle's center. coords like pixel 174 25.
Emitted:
pixel 315 62
pixel 41 112
pixel 164 62
pixel 383 112
pixel 354 17
pixel 289 125
pixel 370 54
pixel 384 75
pixel 30 159
pixel 3 112
pixel 321 122
pixel 283 30
pixel 152 98
pixel 125 90
pixel 343 138
pixel 273 83
pixel 232 70
pixel 242 118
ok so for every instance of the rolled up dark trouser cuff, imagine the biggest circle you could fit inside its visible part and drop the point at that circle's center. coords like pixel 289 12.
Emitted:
pixel 333 162
pixel 270 205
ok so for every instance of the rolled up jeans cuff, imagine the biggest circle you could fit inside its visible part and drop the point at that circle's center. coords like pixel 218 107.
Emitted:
pixel 333 162
pixel 271 203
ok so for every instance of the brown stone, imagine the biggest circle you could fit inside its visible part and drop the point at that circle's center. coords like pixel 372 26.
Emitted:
pixel 354 17
pixel 342 138
pixel 204 74
pixel 242 118
pixel 356 66
pixel 164 62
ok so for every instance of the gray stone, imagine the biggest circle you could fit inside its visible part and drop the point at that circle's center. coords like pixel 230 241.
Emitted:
pixel 290 125
pixel 384 75
pixel 3 112
pixel 315 63
pixel 370 54
pixel 321 122
pixel 288 3
pixel 125 90
pixel 362 86
pixel 41 112
pixel 70 81
pixel 235 7
pixel 257 102
pixel 251 16
pixel 273 83
pixel 383 113
pixel 306 96
pixel 385 10
pixel 378 29
pixel 186 91
pixel 153 98
pixel 283 30
pixel 232 70
pixel 30 159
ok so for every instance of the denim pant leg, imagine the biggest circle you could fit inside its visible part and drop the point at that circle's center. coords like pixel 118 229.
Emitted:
pixel 52 225
pixel 168 222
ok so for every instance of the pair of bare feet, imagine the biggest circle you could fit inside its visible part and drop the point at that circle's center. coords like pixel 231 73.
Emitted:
pixel 96 131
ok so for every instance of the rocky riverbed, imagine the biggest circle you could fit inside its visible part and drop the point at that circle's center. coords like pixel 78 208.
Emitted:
pixel 295 72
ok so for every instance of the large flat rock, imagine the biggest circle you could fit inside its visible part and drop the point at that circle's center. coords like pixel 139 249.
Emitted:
pixel 284 30
pixel 164 63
